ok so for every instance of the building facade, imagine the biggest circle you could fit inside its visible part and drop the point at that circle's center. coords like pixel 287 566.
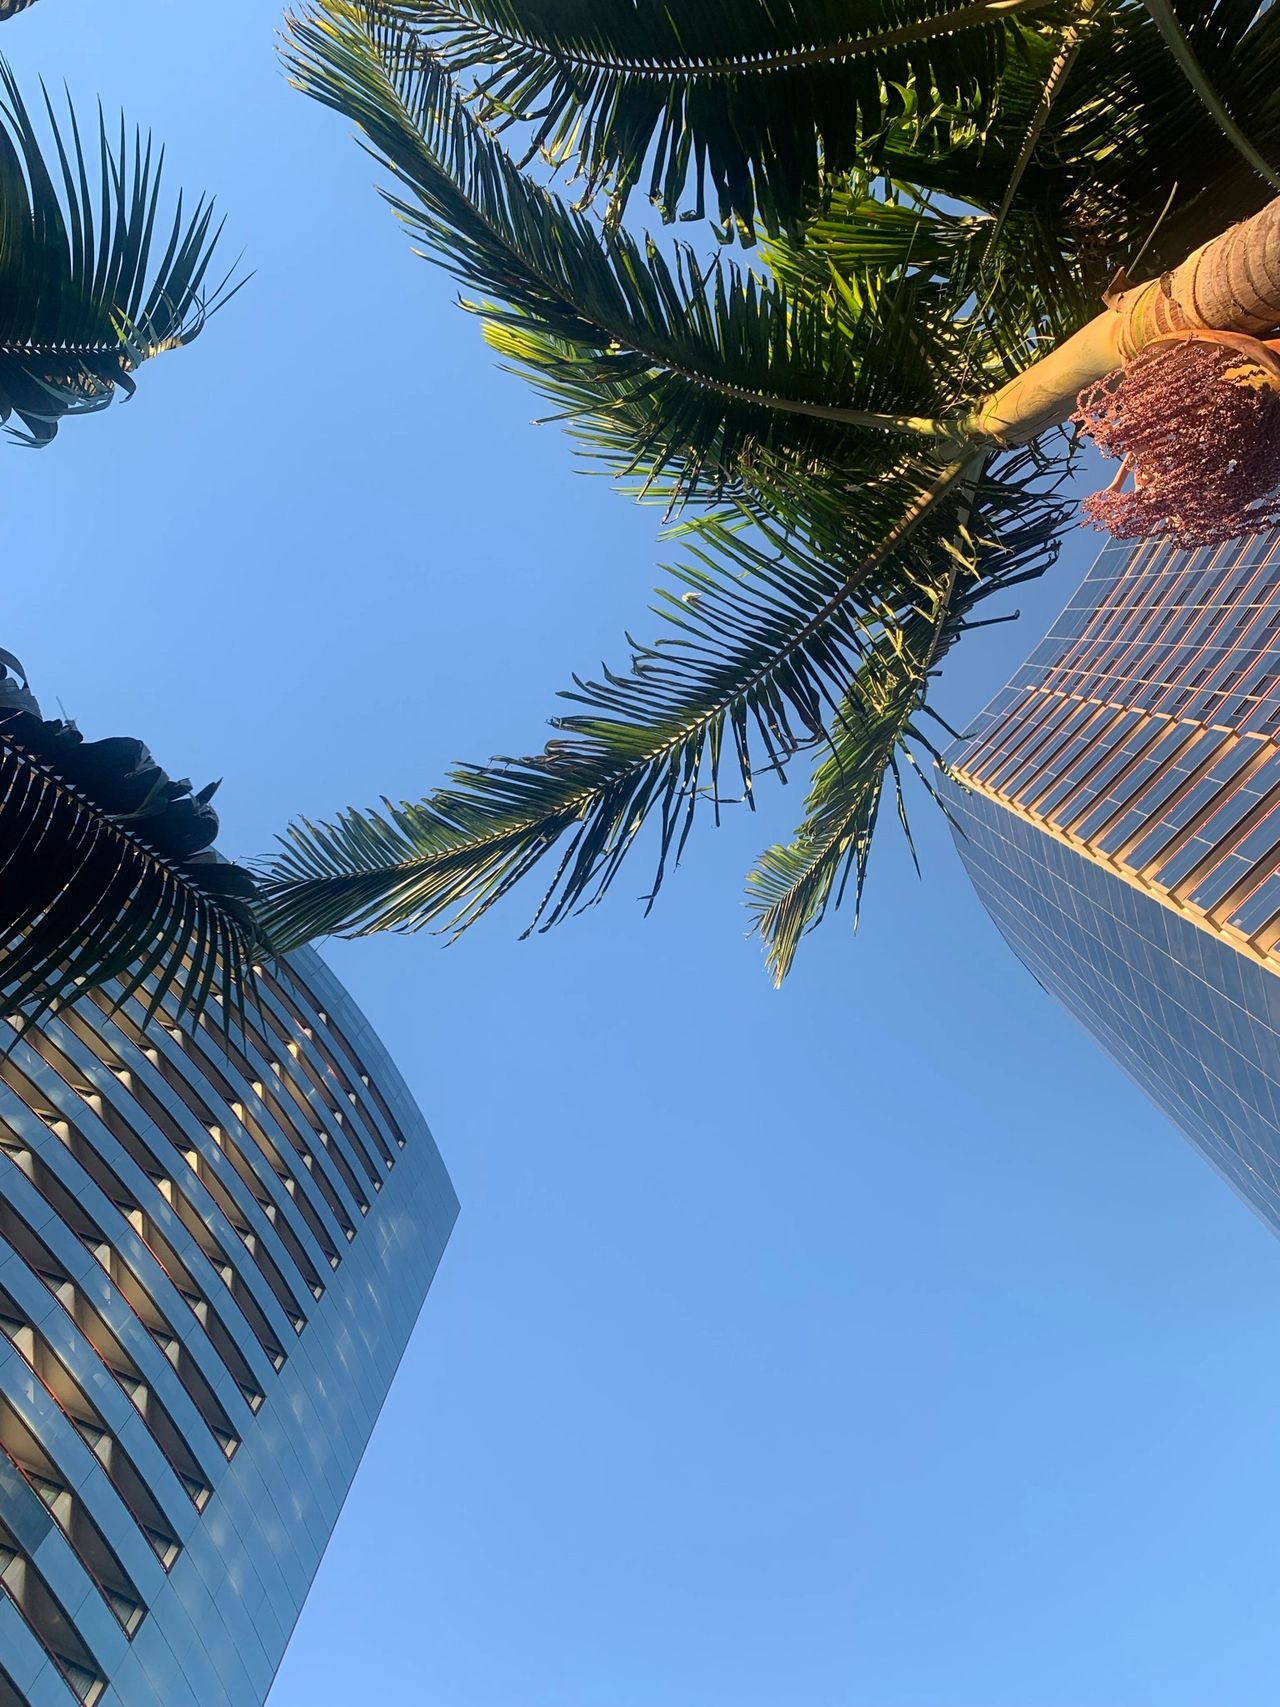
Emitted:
pixel 212 1253
pixel 1118 809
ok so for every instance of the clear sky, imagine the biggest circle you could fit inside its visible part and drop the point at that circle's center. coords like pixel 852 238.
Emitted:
pixel 871 1344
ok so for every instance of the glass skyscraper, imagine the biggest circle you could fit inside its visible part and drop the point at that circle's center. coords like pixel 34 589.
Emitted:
pixel 212 1253
pixel 1118 809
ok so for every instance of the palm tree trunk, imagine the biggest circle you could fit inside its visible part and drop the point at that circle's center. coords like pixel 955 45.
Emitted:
pixel 1230 284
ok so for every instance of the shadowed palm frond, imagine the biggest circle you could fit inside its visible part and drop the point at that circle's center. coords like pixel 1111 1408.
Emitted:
pixel 107 873
pixel 755 99
pixel 1165 17
pixel 11 8
pixel 761 644
pixel 92 283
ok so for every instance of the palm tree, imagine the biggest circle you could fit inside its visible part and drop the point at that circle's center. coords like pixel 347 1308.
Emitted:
pixel 92 281
pixel 863 434
pixel 106 872
pixel 11 8
pixel 105 863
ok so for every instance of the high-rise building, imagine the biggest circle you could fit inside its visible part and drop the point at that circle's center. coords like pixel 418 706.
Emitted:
pixel 212 1253
pixel 1118 809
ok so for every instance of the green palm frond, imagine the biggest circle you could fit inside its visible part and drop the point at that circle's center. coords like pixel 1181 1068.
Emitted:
pixel 980 298
pixel 106 874
pixel 1127 162
pixel 792 886
pixel 873 734
pixel 1165 17
pixel 758 645
pixel 754 97
pixel 885 309
pixel 92 284
pixel 1171 151
pixel 695 440
pixel 723 360
pixel 761 644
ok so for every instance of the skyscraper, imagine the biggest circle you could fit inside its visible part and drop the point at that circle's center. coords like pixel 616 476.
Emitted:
pixel 1118 809
pixel 212 1253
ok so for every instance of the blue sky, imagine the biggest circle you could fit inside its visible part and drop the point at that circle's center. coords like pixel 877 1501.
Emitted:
pixel 871 1344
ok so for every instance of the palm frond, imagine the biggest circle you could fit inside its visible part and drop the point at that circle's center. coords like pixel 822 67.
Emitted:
pixel 722 359
pixel 759 642
pixel 792 886
pixel 765 630
pixel 754 97
pixel 694 439
pixel 878 728
pixel 107 873
pixel 885 307
pixel 981 295
pixel 11 8
pixel 92 283
pixel 1124 168
pixel 1165 18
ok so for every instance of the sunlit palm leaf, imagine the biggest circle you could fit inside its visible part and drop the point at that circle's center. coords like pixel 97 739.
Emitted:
pixel 663 434
pixel 888 325
pixel 92 283
pixel 106 874
pixel 720 360
pixel 993 304
pixel 754 97
pixel 1128 161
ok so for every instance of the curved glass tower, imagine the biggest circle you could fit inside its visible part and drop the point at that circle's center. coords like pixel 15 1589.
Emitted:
pixel 1118 809
pixel 212 1253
